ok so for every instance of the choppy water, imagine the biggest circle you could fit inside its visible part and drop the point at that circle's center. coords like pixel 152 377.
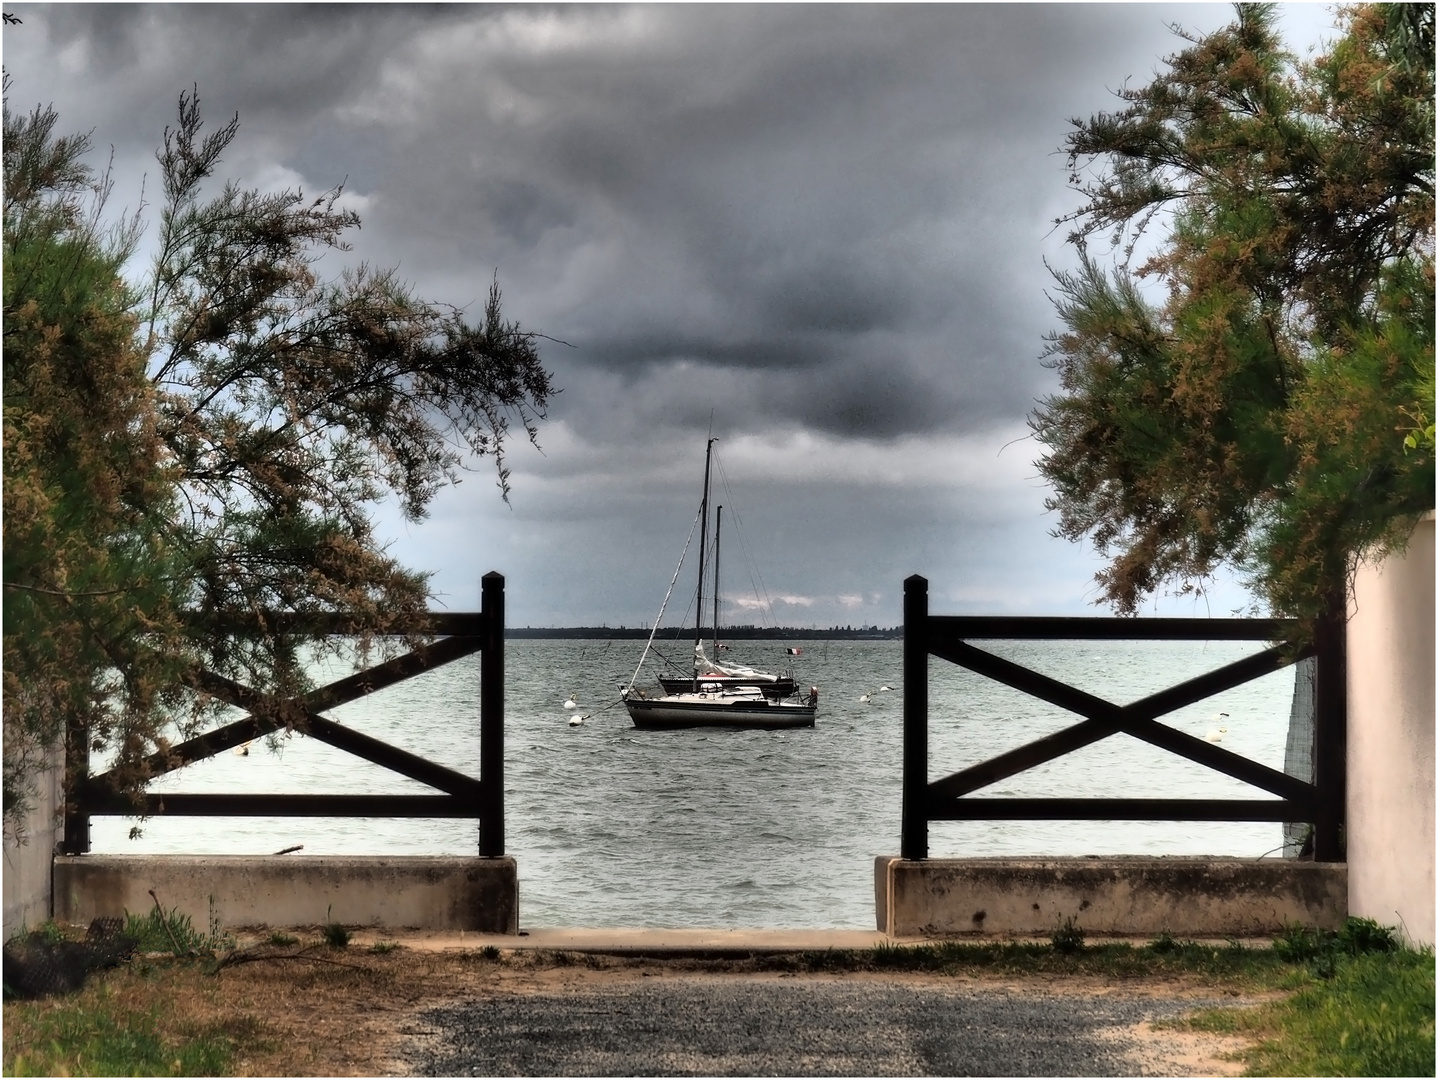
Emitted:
pixel 612 826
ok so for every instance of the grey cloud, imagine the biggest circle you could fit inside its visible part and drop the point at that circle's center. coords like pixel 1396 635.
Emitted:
pixel 825 220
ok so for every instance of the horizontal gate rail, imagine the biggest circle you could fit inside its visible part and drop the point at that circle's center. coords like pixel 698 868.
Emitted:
pixel 465 796
pixel 1116 810
pixel 221 805
pixel 949 798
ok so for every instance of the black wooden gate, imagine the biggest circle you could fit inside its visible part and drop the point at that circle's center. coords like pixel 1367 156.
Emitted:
pixel 947 637
pixel 459 633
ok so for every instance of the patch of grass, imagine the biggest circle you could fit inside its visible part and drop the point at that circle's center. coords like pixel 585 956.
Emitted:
pixel 1163 945
pixel 335 935
pixel 1068 938
pixel 97 1033
pixel 1241 967
pixel 169 932
pixel 1372 1017
pixel 50 932
pixel 489 952
pixel 379 948
pixel 1356 937
pixel 282 940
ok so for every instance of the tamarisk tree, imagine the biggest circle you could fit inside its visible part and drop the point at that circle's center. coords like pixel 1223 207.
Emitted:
pixel 218 434
pixel 1250 381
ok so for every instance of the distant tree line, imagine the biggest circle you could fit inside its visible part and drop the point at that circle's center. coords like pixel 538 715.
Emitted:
pixel 728 633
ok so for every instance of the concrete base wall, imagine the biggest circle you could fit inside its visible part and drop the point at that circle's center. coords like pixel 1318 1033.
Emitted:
pixel 28 852
pixel 1390 740
pixel 424 892
pixel 1186 897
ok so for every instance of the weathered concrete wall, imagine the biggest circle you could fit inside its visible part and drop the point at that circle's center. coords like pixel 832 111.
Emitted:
pixel 27 864
pixel 427 892
pixel 1390 740
pixel 1186 897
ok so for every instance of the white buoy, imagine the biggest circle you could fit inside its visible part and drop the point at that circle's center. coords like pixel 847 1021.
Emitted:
pixel 576 720
pixel 883 688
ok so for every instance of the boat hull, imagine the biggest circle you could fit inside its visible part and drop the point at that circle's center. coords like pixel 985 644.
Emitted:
pixel 704 711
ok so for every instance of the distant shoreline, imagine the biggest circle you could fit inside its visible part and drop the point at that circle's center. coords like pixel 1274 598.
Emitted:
pixel 735 633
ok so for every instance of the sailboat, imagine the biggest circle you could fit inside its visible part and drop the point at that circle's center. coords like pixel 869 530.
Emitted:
pixel 710 675
pixel 718 695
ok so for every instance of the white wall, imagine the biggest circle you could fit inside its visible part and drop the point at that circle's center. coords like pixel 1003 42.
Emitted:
pixel 1390 740
pixel 27 880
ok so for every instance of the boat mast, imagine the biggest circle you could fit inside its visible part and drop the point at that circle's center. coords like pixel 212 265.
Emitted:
pixel 718 520
pixel 703 541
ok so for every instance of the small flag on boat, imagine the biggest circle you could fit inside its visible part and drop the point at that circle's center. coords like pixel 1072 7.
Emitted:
pixel 795 652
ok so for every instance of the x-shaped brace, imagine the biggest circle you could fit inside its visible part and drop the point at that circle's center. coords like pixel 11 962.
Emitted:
pixel 1103 718
pixel 267 713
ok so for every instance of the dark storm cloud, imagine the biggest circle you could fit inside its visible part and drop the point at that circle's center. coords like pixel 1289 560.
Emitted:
pixel 844 200
pixel 778 189
pixel 817 231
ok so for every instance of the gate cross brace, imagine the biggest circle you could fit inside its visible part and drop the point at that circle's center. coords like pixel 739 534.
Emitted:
pixel 269 713
pixel 1105 718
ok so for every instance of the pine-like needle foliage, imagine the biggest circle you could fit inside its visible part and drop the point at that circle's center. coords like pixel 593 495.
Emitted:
pixel 1258 389
pixel 185 452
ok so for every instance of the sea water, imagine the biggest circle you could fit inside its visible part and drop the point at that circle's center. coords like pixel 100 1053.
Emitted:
pixel 612 826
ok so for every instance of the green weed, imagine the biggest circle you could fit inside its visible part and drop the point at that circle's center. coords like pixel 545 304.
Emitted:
pixel 335 935
pixel 1320 949
pixel 1371 1016
pixel 49 932
pixel 1068 938
pixel 1164 945
pixel 100 1038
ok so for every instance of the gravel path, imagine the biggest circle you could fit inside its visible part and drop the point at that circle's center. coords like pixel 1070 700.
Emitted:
pixel 712 1027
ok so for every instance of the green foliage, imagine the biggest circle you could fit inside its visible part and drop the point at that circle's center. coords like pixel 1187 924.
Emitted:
pixel 101 1038
pixel 1356 937
pixel 1258 390
pixel 169 932
pixel 49 932
pixel 92 638
pixel 280 938
pixel 335 935
pixel 1164 944
pixel 1256 968
pixel 186 451
pixel 1372 1015
pixel 1067 938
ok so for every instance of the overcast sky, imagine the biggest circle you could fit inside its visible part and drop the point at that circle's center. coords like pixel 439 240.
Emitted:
pixel 821 231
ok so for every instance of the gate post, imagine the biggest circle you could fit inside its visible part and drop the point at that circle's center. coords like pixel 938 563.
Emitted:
pixel 1330 732
pixel 914 834
pixel 491 717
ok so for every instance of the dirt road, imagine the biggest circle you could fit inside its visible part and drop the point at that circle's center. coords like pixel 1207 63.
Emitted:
pixel 412 1012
